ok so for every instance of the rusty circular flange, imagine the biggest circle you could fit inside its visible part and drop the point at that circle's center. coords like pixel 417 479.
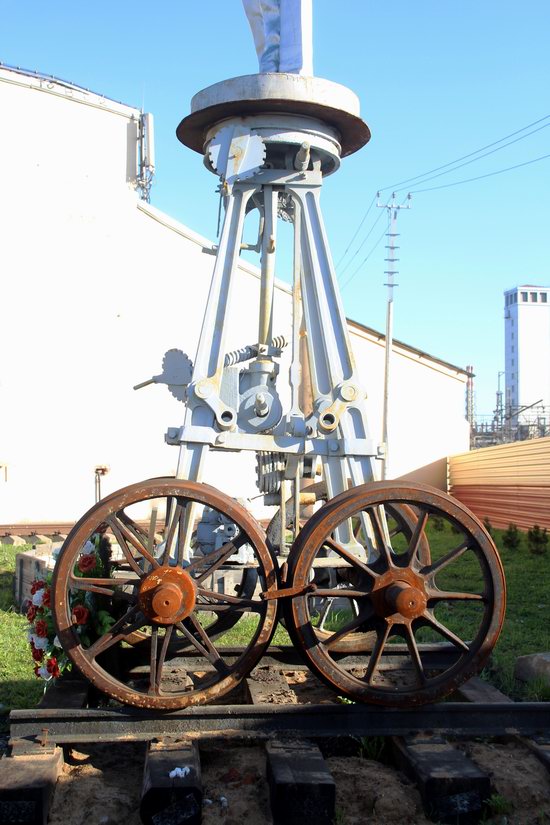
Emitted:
pixel 400 593
pixel 278 93
pixel 167 595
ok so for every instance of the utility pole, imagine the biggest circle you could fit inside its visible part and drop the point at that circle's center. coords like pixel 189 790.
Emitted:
pixel 393 211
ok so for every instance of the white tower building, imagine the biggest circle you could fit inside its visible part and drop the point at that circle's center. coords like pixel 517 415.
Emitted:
pixel 527 357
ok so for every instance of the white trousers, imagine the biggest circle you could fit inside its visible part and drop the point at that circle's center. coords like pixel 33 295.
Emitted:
pixel 283 37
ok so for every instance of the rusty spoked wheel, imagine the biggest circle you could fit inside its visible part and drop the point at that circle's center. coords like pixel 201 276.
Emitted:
pixel 434 600
pixel 141 635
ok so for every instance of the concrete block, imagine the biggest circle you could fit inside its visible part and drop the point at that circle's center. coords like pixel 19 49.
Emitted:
pixel 301 787
pixel 452 787
pixel 171 799
pixel 14 541
pixel 27 784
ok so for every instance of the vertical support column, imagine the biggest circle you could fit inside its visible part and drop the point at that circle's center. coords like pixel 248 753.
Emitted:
pixel 211 348
pixel 329 347
pixel 210 351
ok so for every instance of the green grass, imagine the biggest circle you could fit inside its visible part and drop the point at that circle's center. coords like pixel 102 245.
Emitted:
pixel 19 688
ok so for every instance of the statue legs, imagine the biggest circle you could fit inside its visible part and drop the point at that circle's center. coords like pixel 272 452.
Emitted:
pixel 282 31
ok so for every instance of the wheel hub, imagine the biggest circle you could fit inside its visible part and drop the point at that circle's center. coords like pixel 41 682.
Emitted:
pixel 399 596
pixel 167 595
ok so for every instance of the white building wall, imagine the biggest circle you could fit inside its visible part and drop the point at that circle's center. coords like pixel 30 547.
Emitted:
pixel 98 285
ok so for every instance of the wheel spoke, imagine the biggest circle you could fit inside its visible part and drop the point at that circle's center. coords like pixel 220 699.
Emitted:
pixel 174 523
pixel 206 649
pixel 125 536
pixel 162 658
pixel 448 596
pixel 104 587
pixel 338 593
pixel 153 668
pixel 116 633
pixel 444 631
pixel 416 540
pixel 448 558
pixel 384 550
pixel 139 534
pixel 246 607
pixel 347 628
pixel 415 656
pixel 347 555
pixel 238 601
pixel 376 654
pixel 215 559
pixel 182 532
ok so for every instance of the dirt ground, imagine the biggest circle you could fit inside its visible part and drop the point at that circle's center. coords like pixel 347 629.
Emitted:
pixel 102 787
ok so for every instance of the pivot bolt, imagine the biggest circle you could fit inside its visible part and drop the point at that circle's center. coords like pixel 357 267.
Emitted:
pixel 348 392
pixel 203 389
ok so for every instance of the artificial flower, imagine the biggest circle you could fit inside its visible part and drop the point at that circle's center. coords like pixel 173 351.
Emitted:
pixel 39 584
pixel 31 613
pixel 80 614
pixel 41 628
pixel 87 562
pixel 38 597
pixel 37 654
pixel 53 668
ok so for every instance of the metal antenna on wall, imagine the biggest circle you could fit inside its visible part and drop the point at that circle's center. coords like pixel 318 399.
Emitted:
pixel 391 261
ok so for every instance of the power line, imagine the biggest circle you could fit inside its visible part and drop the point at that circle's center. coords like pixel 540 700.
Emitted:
pixel 467 163
pixel 362 244
pixel 471 154
pixel 357 230
pixel 364 261
pixel 479 177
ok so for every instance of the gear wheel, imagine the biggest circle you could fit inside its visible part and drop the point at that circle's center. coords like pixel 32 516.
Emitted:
pixel 236 153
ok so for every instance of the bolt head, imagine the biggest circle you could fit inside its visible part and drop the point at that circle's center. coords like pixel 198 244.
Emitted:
pixel 349 392
pixel 203 389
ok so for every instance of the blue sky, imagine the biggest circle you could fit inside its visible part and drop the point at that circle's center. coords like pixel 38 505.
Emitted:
pixel 436 80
